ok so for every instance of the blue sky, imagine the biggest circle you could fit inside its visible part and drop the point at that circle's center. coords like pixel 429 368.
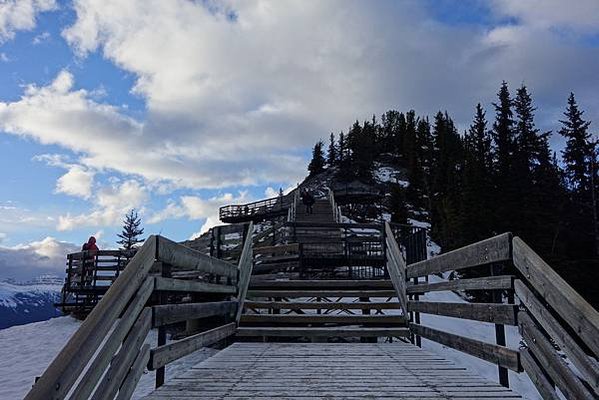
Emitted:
pixel 175 107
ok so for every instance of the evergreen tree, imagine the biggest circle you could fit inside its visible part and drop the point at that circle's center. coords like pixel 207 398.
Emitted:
pixel 130 236
pixel 446 215
pixel 579 158
pixel 317 163
pixel 332 157
pixel 342 149
pixel 477 179
pixel 578 150
pixel 362 150
pixel 506 190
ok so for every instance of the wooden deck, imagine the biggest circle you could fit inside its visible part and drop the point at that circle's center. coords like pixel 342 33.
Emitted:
pixel 328 371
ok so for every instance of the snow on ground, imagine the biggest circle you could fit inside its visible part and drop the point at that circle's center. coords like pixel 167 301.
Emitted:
pixel 476 330
pixel 26 351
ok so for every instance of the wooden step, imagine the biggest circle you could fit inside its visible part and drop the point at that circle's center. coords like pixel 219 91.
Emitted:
pixel 323 284
pixel 301 305
pixel 323 332
pixel 321 293
pixel 275 319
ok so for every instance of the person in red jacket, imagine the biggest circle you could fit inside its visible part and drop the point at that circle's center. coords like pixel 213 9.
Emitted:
pixel 89 260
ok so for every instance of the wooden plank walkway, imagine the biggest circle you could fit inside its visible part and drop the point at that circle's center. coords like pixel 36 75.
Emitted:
pixel 328 371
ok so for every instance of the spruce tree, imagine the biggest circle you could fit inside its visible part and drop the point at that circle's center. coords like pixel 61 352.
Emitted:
pixel 506 203
pixel 317 163
pixel 332 157
pixel 477 179
pixel 578 157
pixel 130 236
pixel 578 150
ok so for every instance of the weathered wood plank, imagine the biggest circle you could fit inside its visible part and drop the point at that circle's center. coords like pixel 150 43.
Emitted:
pixel 182 257
pixel 570 305
pixel 112 344
pixel 485 283
pixel 588 367
pixel 171 313
pixel 246 263
pixel 500 355
pixel 488 312
pixel 323 332
pixel 124 359
pixel 130 383
pixel 321 293
pixel 180 285
pixel 396 266
pixel 322 319
pixel 64 370
pixel 366 284
pixel 551 362
pixel 494 250
pixel 537 376
pixel 293 305
pixel 163 355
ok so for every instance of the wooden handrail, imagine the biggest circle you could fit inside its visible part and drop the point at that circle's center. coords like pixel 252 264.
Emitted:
pixel 550 308
pixel 246 262
pixel 396 268
pixel 127 298
pixel 64 370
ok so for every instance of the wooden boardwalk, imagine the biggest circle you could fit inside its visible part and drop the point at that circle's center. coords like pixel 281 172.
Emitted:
pixel 328 371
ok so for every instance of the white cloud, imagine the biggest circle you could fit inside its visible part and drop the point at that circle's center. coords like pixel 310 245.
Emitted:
pixel 41 38
pixel 16 15
pixel 26 261
pixel 232 102
pixel 76 182
pixel 111 203
pixel 195 208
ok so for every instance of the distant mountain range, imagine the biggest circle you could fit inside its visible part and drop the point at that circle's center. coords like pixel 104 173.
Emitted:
pixel 22 303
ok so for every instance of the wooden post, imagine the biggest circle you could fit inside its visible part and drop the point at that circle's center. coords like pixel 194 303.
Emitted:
pixel 163 299
pixel 417 316
pixel 500 334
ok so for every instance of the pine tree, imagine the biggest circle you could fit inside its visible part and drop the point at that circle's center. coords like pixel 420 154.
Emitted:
pixel 130 236
pixel 477 179
pixel 578 157
pixel 506 190
pixel 317 163
pixel 446 215
pixel 332 157
pixel 578 150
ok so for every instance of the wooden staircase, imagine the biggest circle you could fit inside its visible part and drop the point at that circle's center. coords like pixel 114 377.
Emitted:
pixel 322 308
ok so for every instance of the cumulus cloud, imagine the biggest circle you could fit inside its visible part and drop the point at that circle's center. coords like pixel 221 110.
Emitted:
pixel 26 261
pixel 111 203
pixel 76 182
pixel 194 208
pixel 234 91
pixel 16 15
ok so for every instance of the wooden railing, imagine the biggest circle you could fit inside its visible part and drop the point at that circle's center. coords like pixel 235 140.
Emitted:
pixel 336 209
pixel 106 356
pixel 554 320
pixel 88 277
pixel 257 210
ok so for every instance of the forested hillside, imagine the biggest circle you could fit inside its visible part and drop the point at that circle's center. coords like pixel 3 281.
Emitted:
pixel 499 175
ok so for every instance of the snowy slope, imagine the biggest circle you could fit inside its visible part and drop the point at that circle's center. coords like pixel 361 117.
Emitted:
pixel 25 303
pixel 476 330
pixel 26 351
